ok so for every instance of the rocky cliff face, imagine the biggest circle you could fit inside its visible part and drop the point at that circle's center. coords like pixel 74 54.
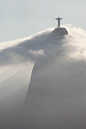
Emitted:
pixel 60 31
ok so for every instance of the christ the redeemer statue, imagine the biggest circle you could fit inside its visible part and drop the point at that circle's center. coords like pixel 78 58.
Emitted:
pixel 58 20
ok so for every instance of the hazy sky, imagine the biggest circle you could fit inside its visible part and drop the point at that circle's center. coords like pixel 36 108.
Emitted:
pixel 21 18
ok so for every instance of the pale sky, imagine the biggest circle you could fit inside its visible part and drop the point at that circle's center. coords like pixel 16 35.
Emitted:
pixel 22 18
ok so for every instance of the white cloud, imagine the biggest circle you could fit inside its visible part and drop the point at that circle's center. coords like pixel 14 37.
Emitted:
pixel 58 79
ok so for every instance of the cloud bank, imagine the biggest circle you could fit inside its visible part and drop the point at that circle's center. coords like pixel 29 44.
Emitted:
pixel 56 95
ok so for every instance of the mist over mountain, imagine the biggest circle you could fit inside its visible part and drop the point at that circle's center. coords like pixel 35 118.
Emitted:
pixel 56 95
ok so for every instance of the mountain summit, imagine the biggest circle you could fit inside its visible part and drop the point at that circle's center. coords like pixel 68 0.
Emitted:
pixel 59 31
